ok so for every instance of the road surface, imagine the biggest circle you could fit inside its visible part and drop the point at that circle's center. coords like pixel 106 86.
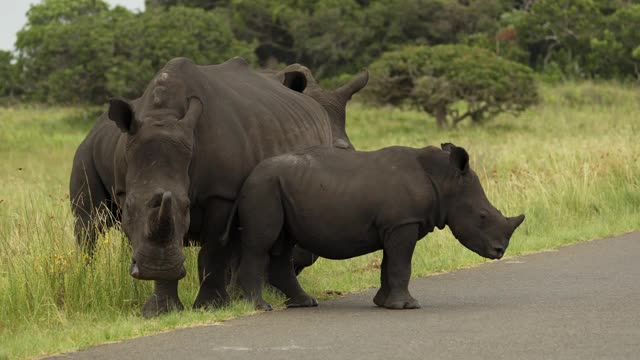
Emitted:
pixel 581 302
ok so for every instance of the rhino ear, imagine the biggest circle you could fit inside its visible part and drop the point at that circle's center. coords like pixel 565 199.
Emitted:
pixel 121 112
pixel 295 80
pixel 296 77
pixel 447 147
pixel 459 159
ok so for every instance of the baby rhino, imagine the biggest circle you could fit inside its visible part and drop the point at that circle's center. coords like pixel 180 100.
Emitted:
pixel 339 204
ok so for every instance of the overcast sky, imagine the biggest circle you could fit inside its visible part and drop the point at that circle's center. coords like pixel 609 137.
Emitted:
pixel 13 16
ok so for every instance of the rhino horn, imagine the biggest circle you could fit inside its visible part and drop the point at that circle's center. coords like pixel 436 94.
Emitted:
pixel 163 224
pixel 356 84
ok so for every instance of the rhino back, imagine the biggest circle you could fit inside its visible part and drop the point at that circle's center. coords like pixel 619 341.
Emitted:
pixel 340 203
pixel 98 149
pixel 246 118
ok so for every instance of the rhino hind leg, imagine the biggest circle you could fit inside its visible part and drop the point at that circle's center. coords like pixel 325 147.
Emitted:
pixel 398 251
pixel 91 206
pixel 253 264
pixel 302 259
pixel 283 277
pixel 262 217
pixel 164 299
pixel 383 292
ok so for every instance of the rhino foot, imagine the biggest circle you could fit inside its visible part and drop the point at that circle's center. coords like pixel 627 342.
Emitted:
pixel 401 303
pixel 157 305
pixel 302 301
pixel 381 297
pixel 263 305
pixel 208 301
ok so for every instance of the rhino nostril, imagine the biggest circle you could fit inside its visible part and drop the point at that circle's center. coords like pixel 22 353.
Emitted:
pixel 134 270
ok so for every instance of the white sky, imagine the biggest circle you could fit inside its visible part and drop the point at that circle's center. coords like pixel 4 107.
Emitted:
pixel 13 16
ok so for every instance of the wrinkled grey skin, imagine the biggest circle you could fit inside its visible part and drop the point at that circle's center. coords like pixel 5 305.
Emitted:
pixel 299 78
pixel 341 204
pixel 169 164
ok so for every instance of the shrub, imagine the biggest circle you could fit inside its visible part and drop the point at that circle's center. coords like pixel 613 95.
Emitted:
pixel 453 82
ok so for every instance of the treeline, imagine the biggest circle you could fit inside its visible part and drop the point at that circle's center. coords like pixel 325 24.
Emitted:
pixel 84 51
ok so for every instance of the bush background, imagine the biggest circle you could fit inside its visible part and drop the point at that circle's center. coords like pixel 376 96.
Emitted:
pixel 83 51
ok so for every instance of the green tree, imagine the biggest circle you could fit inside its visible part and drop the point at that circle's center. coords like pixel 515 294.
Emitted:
pixel 144 43
pixel 8 72
pixel 81 51
pixel 616 52
pixel 64 50
pixel 268 24
pixel 204 4
pixel 452 82
pixel 341 36
pixel 558 33
pixel 333 38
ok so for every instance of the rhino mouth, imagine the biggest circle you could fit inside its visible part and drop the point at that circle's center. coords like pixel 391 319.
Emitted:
pixel 141 272
pixel 496 253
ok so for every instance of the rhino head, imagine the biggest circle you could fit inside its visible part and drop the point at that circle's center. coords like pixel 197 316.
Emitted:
pixel 153 184
pixel 299 78
pixel 473 220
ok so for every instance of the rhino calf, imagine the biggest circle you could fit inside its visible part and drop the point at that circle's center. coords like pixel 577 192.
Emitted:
pixel 339 204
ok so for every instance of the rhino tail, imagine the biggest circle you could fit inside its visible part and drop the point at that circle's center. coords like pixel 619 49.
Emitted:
pixel 224 238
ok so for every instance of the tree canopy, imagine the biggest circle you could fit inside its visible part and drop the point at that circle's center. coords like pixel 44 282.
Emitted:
pixel 83 51
pixel 86 51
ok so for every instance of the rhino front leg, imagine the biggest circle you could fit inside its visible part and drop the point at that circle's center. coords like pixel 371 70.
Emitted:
pixel 164 299
pixel 214 259
pixel 283 277
pixel 398 251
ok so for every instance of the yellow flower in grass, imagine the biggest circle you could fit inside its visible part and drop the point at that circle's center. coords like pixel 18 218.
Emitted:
pixel 107 238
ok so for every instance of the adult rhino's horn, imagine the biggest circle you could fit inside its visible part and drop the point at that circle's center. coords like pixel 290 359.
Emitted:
pixel 194 110
pixel 356 84
pixel 162 227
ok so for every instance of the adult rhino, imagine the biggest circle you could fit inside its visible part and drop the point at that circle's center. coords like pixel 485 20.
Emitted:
pixel 169 164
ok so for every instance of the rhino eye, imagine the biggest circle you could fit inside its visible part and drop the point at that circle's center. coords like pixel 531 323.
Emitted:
pixel 155 201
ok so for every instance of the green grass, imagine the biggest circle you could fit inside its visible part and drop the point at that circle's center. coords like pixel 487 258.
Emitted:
pixel 571 164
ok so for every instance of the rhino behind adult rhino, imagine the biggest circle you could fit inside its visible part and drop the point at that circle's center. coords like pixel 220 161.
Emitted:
pixel 169 164
pixel 341 204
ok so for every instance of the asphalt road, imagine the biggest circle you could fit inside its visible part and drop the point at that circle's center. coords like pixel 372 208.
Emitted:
pixel 581 302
